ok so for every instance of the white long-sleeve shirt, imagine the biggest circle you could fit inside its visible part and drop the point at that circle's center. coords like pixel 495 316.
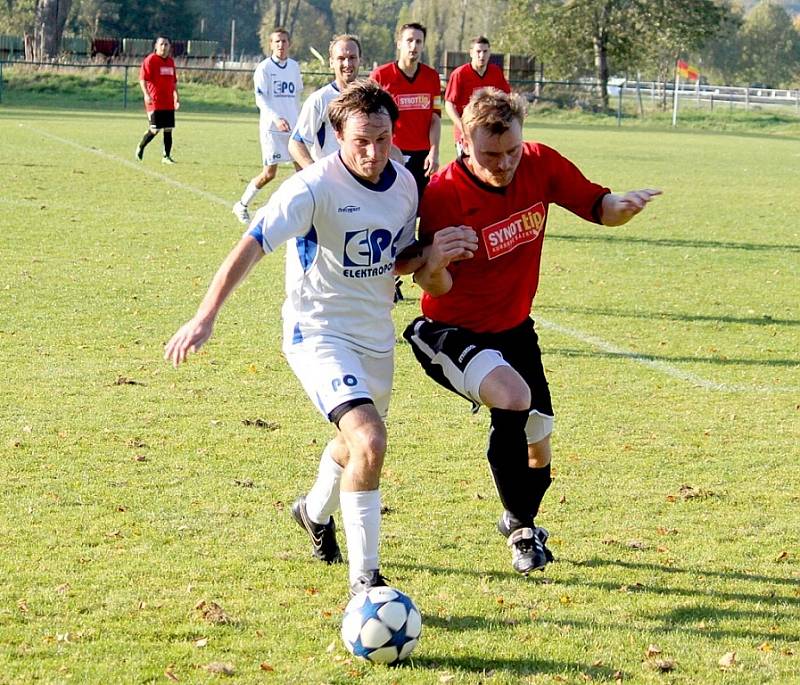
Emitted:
pixel 278 88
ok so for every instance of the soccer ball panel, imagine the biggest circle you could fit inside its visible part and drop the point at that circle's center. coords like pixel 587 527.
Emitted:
pixel 351 626
pixel 407 648
pixel 393 614
pixel 375 634
pixel 414 623
pixel 384 655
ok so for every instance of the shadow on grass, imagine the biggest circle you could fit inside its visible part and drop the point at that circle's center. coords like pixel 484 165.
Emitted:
pixel 672 242
pixel 764 320
pixel 524 666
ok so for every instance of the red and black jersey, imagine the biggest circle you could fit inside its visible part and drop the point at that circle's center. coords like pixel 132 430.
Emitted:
pixel 418 99
pixel 161 79
pixel 494 291
pixel 464 81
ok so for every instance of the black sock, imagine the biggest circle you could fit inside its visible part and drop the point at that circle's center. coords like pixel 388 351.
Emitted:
pixel 167 143
pixel 146 139
pixel 538 482
pixel 508 460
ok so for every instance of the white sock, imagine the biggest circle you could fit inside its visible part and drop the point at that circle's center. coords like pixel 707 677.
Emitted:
pixel 323 498
pixel 249 193
pixel 361 517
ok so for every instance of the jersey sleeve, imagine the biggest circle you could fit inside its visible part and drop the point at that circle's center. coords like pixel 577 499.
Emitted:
pixel 570 189
pixel 436 93
pixel 437 209
pixel 308 122
pixel 144 70
pixel 288 214
pixel 451 91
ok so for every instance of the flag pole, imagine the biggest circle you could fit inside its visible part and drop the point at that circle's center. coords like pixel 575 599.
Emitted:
pixel 675 98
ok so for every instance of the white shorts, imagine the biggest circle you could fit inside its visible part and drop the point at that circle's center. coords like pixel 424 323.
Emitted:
pixel 332 373
pixel 274 146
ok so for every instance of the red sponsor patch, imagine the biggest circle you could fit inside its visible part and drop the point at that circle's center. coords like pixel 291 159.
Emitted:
pixel 521 227
pixel 414 101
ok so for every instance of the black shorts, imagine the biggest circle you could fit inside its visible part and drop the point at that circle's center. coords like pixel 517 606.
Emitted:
pixel 416 165
pixel 438 345
pixel 161 118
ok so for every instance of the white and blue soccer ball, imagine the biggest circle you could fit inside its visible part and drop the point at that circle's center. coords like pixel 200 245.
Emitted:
pixel 381 625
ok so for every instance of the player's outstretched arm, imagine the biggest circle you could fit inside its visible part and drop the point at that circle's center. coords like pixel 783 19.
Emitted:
pixel 191 336
pixel 620 209
pixel 451 244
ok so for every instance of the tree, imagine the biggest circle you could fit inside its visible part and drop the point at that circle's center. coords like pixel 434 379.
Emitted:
pixel 770 45
pixel 720 58
pixel 41 22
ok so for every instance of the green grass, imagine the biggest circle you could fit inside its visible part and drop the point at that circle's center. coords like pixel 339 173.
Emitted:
pixel 671 345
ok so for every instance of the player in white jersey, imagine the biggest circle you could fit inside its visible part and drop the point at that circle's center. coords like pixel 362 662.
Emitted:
pixel 278 87
pixel 346 221
pixel 313 137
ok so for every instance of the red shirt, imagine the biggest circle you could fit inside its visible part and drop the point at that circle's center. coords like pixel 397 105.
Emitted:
pixel 465 80
pixel 160 78
pixel 417 98
pixel 494 290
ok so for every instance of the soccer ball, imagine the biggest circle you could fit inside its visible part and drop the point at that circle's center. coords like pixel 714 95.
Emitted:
pixel 381 625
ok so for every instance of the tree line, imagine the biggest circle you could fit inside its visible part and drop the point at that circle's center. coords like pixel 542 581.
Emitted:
pixel 731 43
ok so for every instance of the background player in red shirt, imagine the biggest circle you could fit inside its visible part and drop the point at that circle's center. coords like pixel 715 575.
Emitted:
pixel 417 91
pixel 159 83
pixel 476 337
pixel 478 73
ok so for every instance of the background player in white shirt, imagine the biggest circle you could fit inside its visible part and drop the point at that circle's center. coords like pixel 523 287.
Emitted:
pixel 313 137
pixel 278 87
pixel 351 215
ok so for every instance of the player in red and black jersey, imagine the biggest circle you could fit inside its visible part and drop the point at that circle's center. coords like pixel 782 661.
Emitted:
pixel 159 83
pixel 417 92
pixel 476 337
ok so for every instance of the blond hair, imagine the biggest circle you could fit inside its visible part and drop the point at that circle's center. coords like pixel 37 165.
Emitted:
pixel 494 110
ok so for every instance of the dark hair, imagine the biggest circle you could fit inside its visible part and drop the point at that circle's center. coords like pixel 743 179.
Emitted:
pixel 344 38
pixel 412 25
pixel 363 96
pixel 279 29
pixel 479 39
pixel 158 38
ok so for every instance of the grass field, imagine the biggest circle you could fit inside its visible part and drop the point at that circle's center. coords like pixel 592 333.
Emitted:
pixel 132 493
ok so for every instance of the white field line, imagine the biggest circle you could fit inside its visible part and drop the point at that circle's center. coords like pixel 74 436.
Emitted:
pixel 594 341
pixel 661 367
pixel 136 166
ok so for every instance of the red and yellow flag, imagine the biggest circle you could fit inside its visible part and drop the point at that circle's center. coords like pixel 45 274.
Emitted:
pixel 687 70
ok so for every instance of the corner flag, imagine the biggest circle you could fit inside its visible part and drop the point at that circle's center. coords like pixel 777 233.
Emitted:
pixel 687 70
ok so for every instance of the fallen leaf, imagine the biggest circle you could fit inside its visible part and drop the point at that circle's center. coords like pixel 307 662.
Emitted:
pixel 168 672
pixel 61 589
pixel 636 544
pixel 728 660
pixel 140 457
pixel 200 642
pixel 617 677
pixel 124 380
pixel 446 678
pixel 562 499
pixel 219 667
pixel 23 606
pixel 213 612
pixel 652 650
pixel 330 647
pixel 264 666
pixel 246 483
pixel 764 647
pixel 261 423
pixel 782 556
pixel 665 665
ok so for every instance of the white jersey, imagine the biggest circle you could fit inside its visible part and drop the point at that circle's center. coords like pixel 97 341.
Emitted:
pixel 340 266
pixel 313 127
pixel 278 87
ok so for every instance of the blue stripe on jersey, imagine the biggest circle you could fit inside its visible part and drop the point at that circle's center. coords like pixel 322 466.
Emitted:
pixel 321 136
pixel 296 136
pixel 307 248
pixel 257 232
pixel 297 335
